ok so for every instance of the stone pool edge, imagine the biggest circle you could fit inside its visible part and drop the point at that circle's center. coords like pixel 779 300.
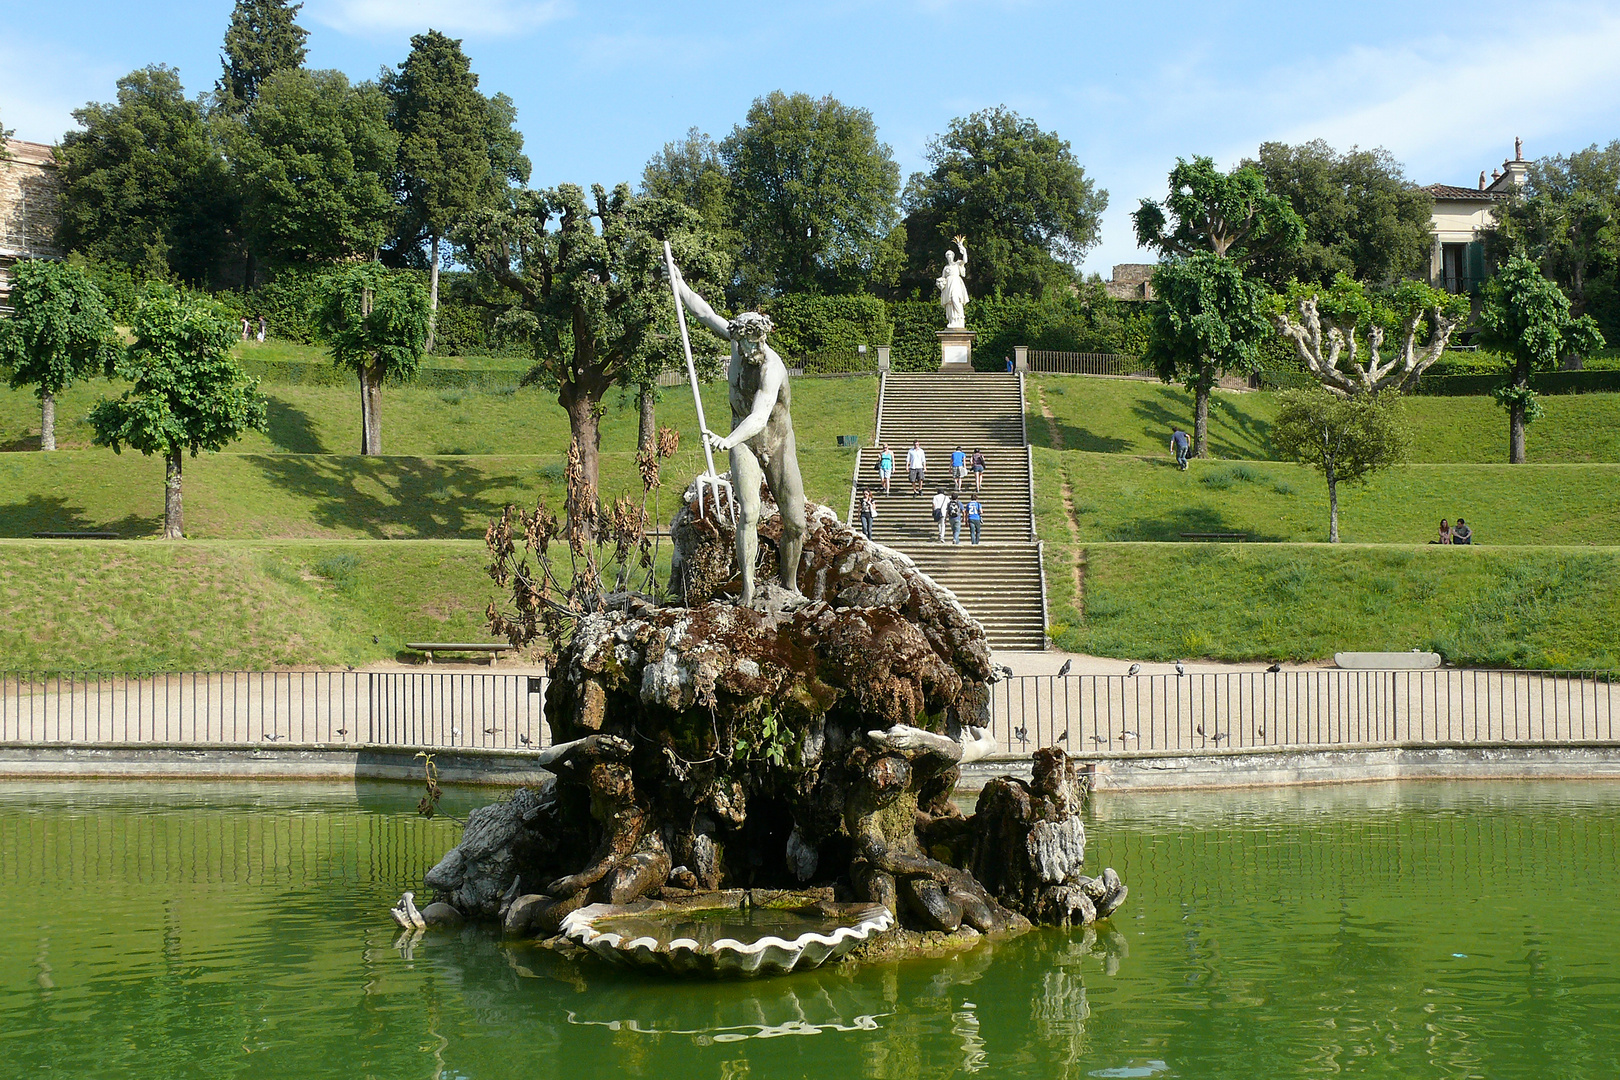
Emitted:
pixel 1140 771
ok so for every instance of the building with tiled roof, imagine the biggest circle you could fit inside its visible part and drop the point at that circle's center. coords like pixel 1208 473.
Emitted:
pixel 30 185
pixel 1459 219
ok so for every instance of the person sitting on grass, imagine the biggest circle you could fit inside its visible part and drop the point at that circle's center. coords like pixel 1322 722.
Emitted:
pixel 1445 533
pixel 1462 534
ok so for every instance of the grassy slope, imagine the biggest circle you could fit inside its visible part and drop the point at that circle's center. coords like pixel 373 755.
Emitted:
pixel 1120 498
pixel 1127 416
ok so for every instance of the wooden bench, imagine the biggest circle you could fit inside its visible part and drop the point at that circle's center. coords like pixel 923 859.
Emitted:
pixel 428 648
pixel 76 536
pixel 1215 536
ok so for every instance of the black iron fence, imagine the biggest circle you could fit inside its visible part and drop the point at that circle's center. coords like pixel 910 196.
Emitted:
pixel 1084 363
pixel 1085 714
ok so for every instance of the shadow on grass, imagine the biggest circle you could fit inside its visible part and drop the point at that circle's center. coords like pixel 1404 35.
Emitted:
pixel 428 499
pixel 52 513
pixel 1191 519
pixel 1223 415
pixel 291 429
pixel 1079 438
pixel 20 445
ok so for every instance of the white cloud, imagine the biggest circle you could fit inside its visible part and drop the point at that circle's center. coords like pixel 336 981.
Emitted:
pixel 485 18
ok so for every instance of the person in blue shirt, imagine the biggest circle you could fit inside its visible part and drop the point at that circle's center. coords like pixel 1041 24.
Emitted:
pixel 1181 443
pixel 975 513
pixel 958 467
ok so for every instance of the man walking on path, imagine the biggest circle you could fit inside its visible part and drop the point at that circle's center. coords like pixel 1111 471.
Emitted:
pixel 941 501
pixel 958 467
pixel 975 512
pixel 868 512
pixel 978 470
pixel 954 512
pixel 917 466
pixel 1181 443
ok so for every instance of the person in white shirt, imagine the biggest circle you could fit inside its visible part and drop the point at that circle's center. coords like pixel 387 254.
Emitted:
pixel 917 466
pixel 941 501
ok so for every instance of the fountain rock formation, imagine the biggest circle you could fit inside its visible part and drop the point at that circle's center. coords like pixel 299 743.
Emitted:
pixel 803 741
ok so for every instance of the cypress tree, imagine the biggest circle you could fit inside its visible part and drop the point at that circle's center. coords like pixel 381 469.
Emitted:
pixel 263 38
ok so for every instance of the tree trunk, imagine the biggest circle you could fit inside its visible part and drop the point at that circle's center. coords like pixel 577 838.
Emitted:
pixel 584 427
pixel 433 293
pixel 1521 380
pixel 649 418
pixel 174 518
pixel 371 409
pixel 47 420
pixel 1333 506
pixel 1201 419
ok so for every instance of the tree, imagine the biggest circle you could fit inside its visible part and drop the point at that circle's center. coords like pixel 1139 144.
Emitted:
pixel 814 194
pixel 188 393
pixel 590 295
pixel 263 38
pixel 692 172
pixel 1230 214
pixel 1362 217
pixel 1567 218
pixel 445 166
pixel 1341 331
pixel 59 333
pixel 1526 316
pixel 313 158
pixel 1207 319
pixel 1026 206
pixel 1344 438
pixel 144 183
pixel 376 322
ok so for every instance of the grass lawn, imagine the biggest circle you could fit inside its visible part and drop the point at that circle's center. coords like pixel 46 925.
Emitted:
pixel 146 605
pixel 1128 416
pixel 264 496
pixel 1120 498
pixel 1547 607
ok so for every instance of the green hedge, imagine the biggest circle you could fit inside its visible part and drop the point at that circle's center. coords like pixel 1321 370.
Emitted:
pixel 808 325
pixel 1544 382
pixel 915 346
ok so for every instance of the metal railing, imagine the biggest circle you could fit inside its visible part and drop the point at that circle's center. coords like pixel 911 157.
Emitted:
pixel 1083 363
pixel 1085 714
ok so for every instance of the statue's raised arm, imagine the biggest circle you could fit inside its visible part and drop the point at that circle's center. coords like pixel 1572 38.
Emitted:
pixel 961 245
pixel 698 306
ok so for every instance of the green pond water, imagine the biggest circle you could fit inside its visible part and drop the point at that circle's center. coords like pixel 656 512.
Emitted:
pixel 1392 930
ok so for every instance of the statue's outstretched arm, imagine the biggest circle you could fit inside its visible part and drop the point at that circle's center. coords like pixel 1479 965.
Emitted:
pixel 961 246
pixel 700 308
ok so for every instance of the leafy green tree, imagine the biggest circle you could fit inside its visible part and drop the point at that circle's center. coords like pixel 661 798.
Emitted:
pixel 144 182
pixel 314 158
pixel 1346 439
pixel 1025 205
pixel 1567 218
pixel 692 172
pixel 589 293
pixel 376 322
pixel 1231 214
pixel 187 391
pixel 445 166
pixel 59 333
pixel 1526 316
pixel 1208 318
pixel 1362 217
pixel 1344 333
pixel 263 38
pixel 814 195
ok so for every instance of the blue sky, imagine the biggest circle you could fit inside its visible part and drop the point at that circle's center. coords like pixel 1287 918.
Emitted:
pixel 602 86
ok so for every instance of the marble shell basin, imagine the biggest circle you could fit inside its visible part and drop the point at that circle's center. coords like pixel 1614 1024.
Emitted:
pixel 723 940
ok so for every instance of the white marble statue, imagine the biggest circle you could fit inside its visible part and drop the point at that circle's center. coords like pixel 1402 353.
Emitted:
pixel 952 282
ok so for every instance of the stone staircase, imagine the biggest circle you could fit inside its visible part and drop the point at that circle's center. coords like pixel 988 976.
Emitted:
pixel 999 581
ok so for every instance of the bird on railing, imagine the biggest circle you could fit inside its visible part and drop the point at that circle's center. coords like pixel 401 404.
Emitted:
pixel 1063 737
pixel 1274 668
pixel 1125 736
pixel 1260 730
pixel 455 732
pixel 1067 664
pixel 1219 735
pixel 491 730
pixel 341 731
pixel 524 739
pixel 1134 669
pixel 1181 668
pixel 1098 739
pixel 268 737
pixel 1022 735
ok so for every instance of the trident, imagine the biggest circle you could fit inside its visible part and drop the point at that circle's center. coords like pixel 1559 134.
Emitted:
pixel 710 479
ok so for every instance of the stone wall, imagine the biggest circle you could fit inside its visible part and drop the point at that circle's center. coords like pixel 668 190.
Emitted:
pixel 1131 281
pixel 30 184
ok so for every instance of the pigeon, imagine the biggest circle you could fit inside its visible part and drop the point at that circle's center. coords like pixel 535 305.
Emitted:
pixel 374 640
pixel 1261 731
pixel 1134 669
pixel 342 731
pixel 1064 737
pixel 1067 664
pixel 491 730
pixel 1127 735
pixel 1219 735
pixel 524 739
pixel 270 738
pixel 1199 728
pixel 456 732
pixel 1181 668
pixel 1098 739
pixel 1274 668
pixel 1021 734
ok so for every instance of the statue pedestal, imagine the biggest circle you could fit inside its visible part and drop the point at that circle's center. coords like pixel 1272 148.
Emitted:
pixel 956 350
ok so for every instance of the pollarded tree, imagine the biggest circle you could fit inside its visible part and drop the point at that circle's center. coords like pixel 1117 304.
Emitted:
pixel 1526 316
pixel 1341 332
pixel 590 295
pixel 59 334
pixel 814 194
pixel 1207 318
pixel 1230 214
pixel 1029 211
pixel 445 164
pixel 263 38
pixel 1346 439
pixel 314 157
pixel 376 322
pixel 188 393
